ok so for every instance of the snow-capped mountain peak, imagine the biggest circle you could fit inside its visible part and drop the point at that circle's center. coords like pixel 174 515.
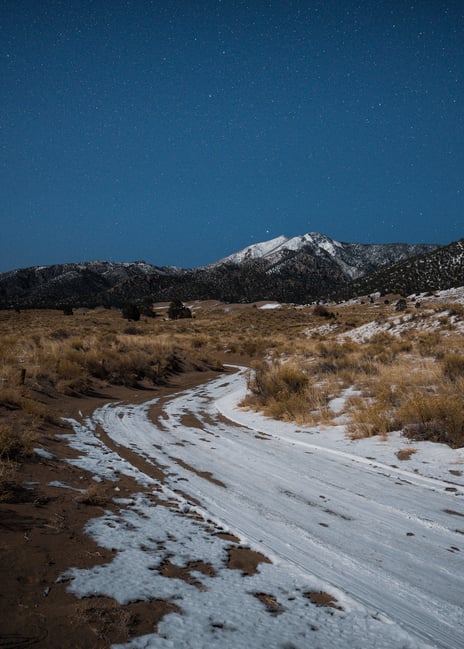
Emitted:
pixel 271 250
pixel 256 251
pixel 288 269
pixel 351 259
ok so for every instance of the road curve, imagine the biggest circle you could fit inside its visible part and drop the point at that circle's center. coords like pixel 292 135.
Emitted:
pixel 391 539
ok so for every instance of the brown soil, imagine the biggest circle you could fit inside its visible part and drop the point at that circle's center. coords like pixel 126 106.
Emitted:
pixel 203 474
pixel 270 602
pixel 405 453
pixel 42 535
pixel 453 512
pixel 322 599
pixel 245 560
pixel 169 569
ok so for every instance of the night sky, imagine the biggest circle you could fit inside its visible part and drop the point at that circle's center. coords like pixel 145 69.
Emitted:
pixel 179 132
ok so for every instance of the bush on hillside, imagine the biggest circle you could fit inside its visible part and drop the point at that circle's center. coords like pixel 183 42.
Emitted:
pixel 177 310
pixel 131 311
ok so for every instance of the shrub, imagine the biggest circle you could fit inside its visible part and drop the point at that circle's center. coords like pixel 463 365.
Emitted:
pixel 276 380
pixel 94 495
pixel 323 312
pixel 177 310
pixel 368 419
pixel 133 331
pixel 130 311
pixel 453 366
pixel 146 308
pixel 13 444
pixel 284 391
pixel 436 417
pixel 15 399
pixel 428 343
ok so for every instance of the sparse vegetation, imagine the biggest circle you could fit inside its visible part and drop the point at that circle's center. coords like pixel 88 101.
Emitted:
pixel 14 444
pixel 95 495
pixel 407 370
pixel 408 375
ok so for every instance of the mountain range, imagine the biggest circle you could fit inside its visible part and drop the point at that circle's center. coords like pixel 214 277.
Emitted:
pixel 298 269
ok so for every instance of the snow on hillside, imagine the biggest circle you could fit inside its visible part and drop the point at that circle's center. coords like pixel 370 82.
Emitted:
pixel 274 247
pixel 353 259
pixel 255 251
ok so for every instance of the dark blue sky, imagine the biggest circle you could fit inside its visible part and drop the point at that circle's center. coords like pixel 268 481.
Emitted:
pixel 179 132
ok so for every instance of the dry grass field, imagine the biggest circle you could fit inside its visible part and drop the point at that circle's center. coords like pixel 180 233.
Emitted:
pixel 404 370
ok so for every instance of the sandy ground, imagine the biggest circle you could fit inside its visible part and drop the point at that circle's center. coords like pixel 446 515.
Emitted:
pixel 42 535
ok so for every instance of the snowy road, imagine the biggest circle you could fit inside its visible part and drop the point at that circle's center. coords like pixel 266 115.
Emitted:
pixel 385 538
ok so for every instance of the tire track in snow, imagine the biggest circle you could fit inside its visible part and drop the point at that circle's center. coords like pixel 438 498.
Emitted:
pixel 350 554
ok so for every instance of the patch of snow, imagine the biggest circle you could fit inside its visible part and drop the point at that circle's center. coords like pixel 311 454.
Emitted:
pixel 62 485
pixel 41 452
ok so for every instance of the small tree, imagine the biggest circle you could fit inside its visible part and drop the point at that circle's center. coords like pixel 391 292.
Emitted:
pixel 178 310
pixel 131 311
pixel 146 308
pixel 323 312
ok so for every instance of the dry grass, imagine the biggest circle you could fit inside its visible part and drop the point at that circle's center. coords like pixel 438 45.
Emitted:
pixel 70 354
pixel 404 454
pixel 367 419
pixel 43 353
pixel 14 444
pixel 95 495
pixel 411 380
pixel 438 417
pixel 284 391
pixel 408 378
pixel 424 399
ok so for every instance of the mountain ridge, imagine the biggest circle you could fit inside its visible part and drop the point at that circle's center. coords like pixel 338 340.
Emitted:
pixel 296 269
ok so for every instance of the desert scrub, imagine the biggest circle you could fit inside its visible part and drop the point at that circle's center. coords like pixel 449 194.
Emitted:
pixel 17 399
pixel 95 494
pixel 283 391
pixel 322 311
pixel 428 343
pixel 368 418
pixel 345 360
pixel 418 398
pixel 70 363
pixel 435 416
pixel 14 444
pixel 453 366
pixel 376 411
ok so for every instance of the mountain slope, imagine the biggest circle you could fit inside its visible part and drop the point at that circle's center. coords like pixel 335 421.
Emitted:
pixel 83 284
pixel 353 259
pixel 438 270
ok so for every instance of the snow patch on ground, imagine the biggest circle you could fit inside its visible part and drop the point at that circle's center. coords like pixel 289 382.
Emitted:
pixel 271 305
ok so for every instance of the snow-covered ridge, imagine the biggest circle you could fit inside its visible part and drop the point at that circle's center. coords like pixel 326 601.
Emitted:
pixel 353 259
pixel 297 269
pixel 275 247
